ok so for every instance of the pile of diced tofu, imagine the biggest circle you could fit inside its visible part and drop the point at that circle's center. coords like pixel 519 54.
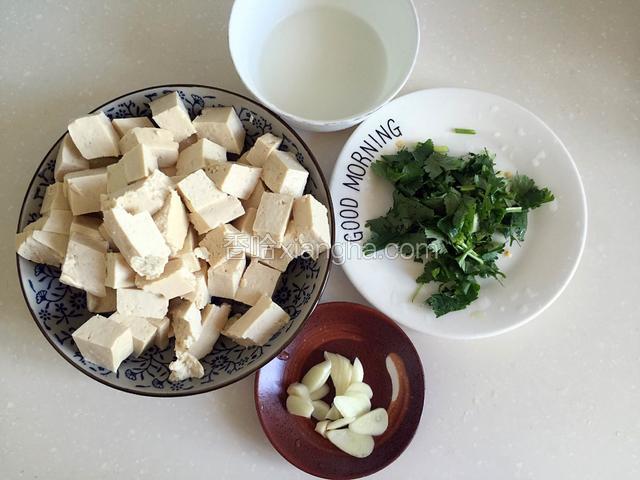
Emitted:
pixel 152 221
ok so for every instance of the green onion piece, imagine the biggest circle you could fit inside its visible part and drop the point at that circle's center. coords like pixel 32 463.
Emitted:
pixel 465 131
pixel 513 209
pixel 440 148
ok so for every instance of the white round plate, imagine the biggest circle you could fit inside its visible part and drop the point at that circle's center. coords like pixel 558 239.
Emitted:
pixel 536 272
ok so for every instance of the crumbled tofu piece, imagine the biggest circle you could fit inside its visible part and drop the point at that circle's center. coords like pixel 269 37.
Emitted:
pixel 124 125
pixel 282 173
pixel 198 191
pixel 263 147
pixel 84 264
pixel 86 225
pixel 222 126
pixel 214 319
pixel 144 136
pixel 31 249
pixel 138 303
pixel 138 163
pixel 311 222
pixel 272 216
pixel 173 222
pixel 139 240
pixel 257 280
pixel 94 136
pixel 54 198
pixel 142 331
pixel 146 195
pixel 245 222
pixel 216 214
pixel 84 189
pixel 224 242
pixel 186 321
pixel 56 221
pixel 161 340
pixel 104 304
pixel 104 342
pixel 175 281
pixel 278 258
pixel 202 153
pixel 185 366
pixel 199 296
pixel 224 280
pixel 169 112
pixel 235 179
pixel 258 324
pixel 119 273
pixel 68 159
pixel 254 199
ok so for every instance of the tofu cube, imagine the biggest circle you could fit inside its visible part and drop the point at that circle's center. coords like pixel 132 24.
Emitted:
pixel 282 173
pixel 102 162
pixel 103 231
pixel 223 243
pixel 235 179
pixel 199 296
pixel 88 226
pixel 139 240
pixel 243 159
pixel 224 211
pixel 198 191
pixel 202 153
pixel 161 340
pixel 272 217
pixel 144 136
pixel 254 199
pixel 84 264
pixel 278 258
pixel 224 279
pixel 146 195
pixel 258 324
pixel 138 163
pixel 186 321
pixel 94 136
pixel 54 198
pixel 31 249
pixel 119 273
pixel 175 281
pixel 245 222
pixel 173 222
pixel 124 125
pixel 56 221
pixel 185 366
pixel 104 304
pixel 222 126
pixel 84 189
pixel 104 342
pixel 261 150
pixel 214 318
pixel 166 154
pixel 187 142
pixel 116 178
pixel 170 113
pixel 186 254
pixel 169 171
pixel 69 159
pixel 257 280
pixel 143 331
pixel 138 303
pixel 311 222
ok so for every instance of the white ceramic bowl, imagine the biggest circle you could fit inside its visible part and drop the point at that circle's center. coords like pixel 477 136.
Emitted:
pixel 536 272
pixel 395 23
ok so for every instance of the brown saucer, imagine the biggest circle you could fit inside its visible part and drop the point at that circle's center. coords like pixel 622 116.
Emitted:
pixel 354 331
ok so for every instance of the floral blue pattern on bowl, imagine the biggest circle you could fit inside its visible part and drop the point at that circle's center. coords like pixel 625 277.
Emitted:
pixel 59 309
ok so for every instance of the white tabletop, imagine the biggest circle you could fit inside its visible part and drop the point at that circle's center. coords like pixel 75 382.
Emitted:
pixel 558 398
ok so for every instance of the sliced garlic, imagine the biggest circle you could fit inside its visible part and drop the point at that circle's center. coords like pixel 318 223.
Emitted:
pixel 354 444
pixel 340 371
pixel 299 390
pixel 321 427
pixel 333 413
pixel 320 409
pixel 299 406
pixel 341 422
pixel 352 405
pixel 317 376
pixel 373 423
pixel 358 371
pixel 359 388
pixel 320 393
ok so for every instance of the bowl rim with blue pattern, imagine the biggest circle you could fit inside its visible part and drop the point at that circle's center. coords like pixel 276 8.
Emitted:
pixel 188 387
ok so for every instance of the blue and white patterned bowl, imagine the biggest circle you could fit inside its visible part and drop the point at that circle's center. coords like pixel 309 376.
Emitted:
pixel 58 309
